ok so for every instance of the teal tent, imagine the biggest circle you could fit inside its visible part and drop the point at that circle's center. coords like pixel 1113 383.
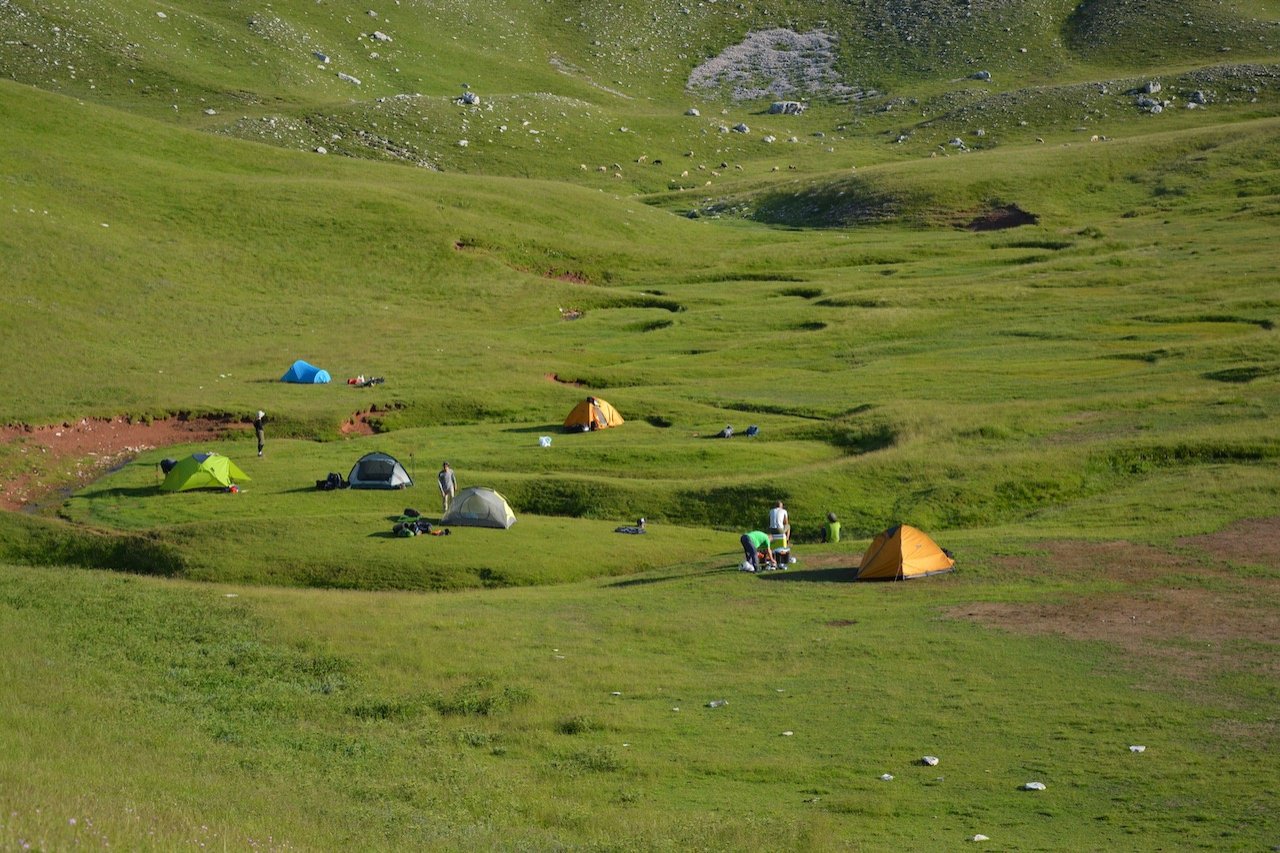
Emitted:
pixel 305 373
pixel 203 471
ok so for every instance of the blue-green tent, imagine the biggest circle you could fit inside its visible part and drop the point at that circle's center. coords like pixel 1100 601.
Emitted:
pixel 309 374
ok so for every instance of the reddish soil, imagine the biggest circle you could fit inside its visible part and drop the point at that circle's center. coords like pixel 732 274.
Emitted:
pixel 71 454
pixel 357 424
pixel 1192 613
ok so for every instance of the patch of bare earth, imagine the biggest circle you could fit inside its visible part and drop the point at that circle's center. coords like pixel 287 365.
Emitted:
pixel 357 424
pixel 1190 615
pixel 74 453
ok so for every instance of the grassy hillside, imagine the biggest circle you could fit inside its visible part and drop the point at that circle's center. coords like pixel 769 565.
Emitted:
pixel 981 285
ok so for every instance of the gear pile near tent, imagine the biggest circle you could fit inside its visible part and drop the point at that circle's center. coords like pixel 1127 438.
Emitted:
pixel 903 552
pixel 591 414
pixel 202 471
pixel 306 374
pixel 479 507
pixel 378 471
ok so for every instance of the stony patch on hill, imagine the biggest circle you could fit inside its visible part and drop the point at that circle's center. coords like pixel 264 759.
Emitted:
pixel 775 63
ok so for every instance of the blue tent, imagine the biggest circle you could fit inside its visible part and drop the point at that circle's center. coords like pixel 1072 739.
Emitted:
pixel 303 372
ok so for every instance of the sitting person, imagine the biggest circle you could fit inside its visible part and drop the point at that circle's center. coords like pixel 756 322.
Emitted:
pixel 727 432
pixel 831 530
pixel 639 528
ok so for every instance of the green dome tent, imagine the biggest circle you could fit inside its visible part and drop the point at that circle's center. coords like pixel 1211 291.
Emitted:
pixel 202 471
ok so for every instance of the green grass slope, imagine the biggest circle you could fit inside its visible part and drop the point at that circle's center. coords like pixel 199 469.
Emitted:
pixel 1068 405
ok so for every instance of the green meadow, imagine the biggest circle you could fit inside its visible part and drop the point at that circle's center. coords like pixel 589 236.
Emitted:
pixel 1082 408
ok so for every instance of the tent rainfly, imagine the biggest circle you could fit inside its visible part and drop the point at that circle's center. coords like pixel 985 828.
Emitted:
pixel 306 374
pixel 378 471
pixel 202 471
pixel 479 507
pixel 592 413
pixel 903 552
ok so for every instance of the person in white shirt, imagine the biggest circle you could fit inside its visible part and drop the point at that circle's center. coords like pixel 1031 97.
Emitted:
pixel 779 521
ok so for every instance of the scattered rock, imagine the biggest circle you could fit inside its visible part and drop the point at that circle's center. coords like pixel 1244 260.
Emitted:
pixel 788 108
pixel 886 777
pixel 320 149
pixel 740 127
pixel 692 111
pixel 1136 748
pixel 980 75
pixel 979 837
pixel 469 99
pixel 210 111
pixel 769 139
pixel 348 78
pixel 1033 786
pixel 380 36
pixel 324 59
pixel 929 761
pixel 1152 87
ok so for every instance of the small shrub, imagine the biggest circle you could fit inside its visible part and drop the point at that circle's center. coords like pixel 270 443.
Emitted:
pixel 577 725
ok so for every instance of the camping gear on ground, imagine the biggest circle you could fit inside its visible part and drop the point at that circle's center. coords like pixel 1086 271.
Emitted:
pixel 331 482
pixel 417 527
pixel 479 507
pixel 903 552
pixel 203 471
pixel 378 471
pixel 632 529
pixel 166 465
pixel 752 431
pixel 591 414
pixel 306 374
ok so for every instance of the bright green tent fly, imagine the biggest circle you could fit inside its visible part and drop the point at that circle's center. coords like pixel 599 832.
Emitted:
pixel 202 471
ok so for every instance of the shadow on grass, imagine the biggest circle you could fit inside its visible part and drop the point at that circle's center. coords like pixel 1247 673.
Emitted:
pixel 548 429
pixel 645 581
pixel 838 575
pixel 125 492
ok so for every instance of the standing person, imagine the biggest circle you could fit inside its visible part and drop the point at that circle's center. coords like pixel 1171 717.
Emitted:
pixel 831 530
pixel 448 485
pixel 752 542
pixel 260 429
pixel 780 521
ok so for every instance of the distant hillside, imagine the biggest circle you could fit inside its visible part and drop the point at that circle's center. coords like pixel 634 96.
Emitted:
pixel 596 94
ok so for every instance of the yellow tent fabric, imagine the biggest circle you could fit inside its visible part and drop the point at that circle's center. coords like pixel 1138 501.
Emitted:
pixel 592 413
pixel 903 552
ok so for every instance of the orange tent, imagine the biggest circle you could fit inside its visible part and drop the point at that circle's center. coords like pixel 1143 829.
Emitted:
pixel 592 413
pixel 903 552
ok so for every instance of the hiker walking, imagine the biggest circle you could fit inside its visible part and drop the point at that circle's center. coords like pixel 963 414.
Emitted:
pixel 259 429
pixel 448 485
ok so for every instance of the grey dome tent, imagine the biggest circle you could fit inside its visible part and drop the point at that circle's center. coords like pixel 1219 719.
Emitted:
pixel 479 507
pixel 379 471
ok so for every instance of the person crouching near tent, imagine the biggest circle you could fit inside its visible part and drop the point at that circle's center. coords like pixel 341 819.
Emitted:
pixel 753 543
pixel 448 485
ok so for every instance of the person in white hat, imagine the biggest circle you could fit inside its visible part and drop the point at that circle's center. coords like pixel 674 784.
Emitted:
pixel 259 429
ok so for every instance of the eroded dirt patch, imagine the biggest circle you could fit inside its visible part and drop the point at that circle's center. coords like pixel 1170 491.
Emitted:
pixel 1194 618
pixel 1254 541
pixel 74 453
